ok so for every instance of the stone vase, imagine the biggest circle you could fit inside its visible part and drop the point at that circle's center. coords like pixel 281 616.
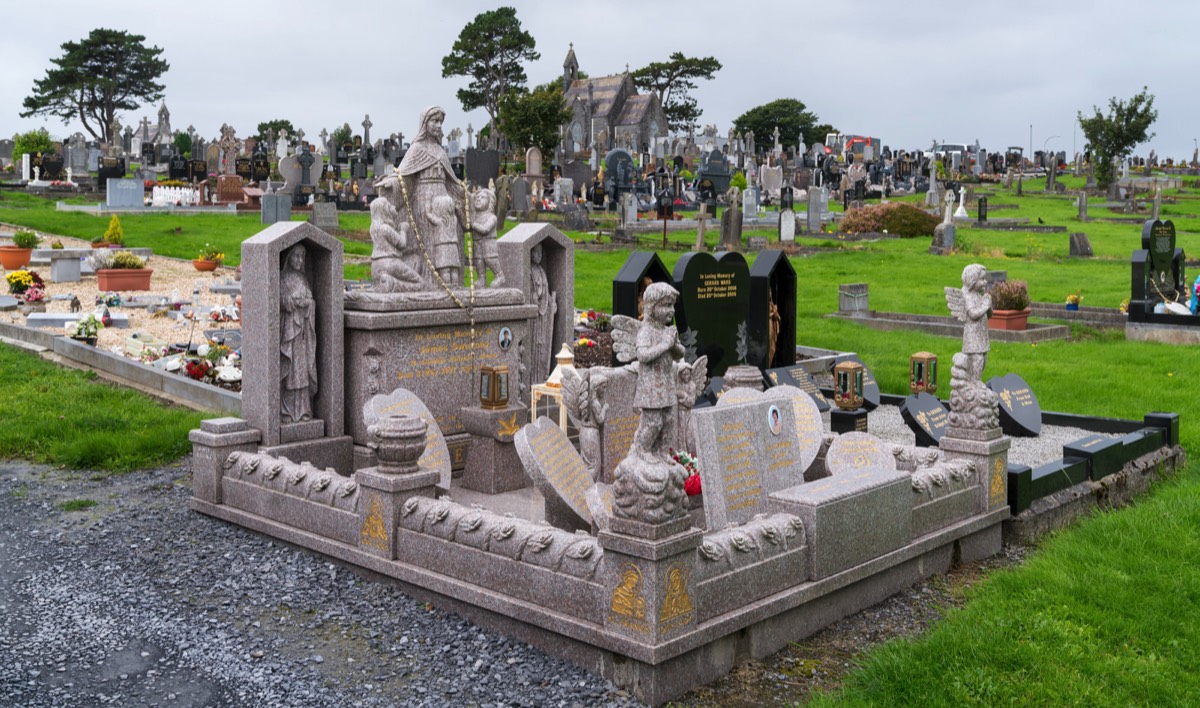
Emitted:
pixel 399 441
pixel 1010 320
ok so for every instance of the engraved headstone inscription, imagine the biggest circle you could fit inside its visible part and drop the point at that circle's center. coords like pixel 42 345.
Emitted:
pixel 712 314
pixel 927 417
pixel 558 472
pixel 1020 413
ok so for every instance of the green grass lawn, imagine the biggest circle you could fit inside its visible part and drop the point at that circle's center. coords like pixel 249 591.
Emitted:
pixel 1107 612
pixel 68 418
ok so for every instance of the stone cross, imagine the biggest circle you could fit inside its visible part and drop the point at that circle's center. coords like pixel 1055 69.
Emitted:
pixel 306 161
pixel 191 131
pixel 366 124
pixel 324 137
pixel 114 131
pixel 470 136
pixel 145 129
pixel 776 136
pixel 300 134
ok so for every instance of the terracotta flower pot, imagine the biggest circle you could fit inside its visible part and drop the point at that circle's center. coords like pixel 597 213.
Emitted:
pixel 1011 320
pixel 120 279
pixel 100 244
pixel 203 265
pixel 13 258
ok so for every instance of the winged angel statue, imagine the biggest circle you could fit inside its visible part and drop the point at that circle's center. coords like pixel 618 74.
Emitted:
pixel 972 405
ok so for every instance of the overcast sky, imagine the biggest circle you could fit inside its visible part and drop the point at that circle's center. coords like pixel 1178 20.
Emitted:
pixel 907 72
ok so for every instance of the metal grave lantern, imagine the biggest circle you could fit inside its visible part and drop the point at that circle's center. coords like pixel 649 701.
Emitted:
pixel 493 387
pixel 848 385
pixel 922 373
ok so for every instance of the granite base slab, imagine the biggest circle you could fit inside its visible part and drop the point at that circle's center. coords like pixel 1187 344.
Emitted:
pixel 58 320
pixel 662 672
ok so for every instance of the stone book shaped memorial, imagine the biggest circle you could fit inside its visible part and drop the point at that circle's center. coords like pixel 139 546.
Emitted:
pixel 358 408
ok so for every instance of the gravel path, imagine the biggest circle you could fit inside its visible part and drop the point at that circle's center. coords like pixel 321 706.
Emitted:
pixel 138 601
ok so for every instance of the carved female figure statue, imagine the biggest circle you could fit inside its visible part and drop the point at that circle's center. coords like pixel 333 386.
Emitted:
pixel 298 339
pixel 547 307
pixel 428 176
pixel 396 264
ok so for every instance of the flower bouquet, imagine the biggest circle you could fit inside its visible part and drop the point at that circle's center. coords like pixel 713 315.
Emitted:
pixel 86 329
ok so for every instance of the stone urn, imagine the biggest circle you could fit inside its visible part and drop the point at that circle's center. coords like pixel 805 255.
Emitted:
pixel 399 441
pixel 743 376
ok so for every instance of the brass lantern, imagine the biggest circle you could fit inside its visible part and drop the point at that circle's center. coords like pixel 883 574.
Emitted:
pixel 922 373
pixel 848 385
pixel 493 387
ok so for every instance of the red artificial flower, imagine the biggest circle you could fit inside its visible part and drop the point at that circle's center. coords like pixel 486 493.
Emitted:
pixel 691 485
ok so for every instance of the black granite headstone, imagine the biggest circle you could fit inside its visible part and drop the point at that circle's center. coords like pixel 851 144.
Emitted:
pixel 1158 238
pixel 52 167
pixel 110 168
pixel 177 167
pixel 197 170
pixel 772 282
pixel 260 168
pixel 1020 413
pixel 787 198
pixel 982 217
pixel 927 418
pixel 711 313
pixel 640 269
pixel 870 386
pixel 241 168
pixel 618 173
pixel 798 377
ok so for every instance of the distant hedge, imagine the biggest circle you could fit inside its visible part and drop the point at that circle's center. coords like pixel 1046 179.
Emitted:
pixel 898 219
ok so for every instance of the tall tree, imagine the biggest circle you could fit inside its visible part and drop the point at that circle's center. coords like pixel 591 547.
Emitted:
pixel 534 118
pixel 671 80
pixel 276 125
pixel 109 71
pixel 1116 134
pixel 792 118
pixel 490 50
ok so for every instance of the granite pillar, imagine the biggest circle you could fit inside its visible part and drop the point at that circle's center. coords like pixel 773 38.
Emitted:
pixel 400 441
pixel 988 451
pixel 493 465
pixel 211 446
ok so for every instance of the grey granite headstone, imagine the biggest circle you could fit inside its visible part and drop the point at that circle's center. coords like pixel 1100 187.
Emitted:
pixel 58 320
pixel 814 211
pixel 854 453
pixel 275 208
pixel 262 388
pixel 751 445
pixel 1081 246
pixel 325 216
pixel 787 226
pixel 124 193
pixel 436 457
pixel 556 469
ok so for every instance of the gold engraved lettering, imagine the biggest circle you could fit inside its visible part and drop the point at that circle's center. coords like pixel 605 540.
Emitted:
pixel 715 286
pixel 562 465
pixel 374 531
pixel 743 483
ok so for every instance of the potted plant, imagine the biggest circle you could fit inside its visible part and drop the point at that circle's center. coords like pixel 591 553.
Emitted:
pixel 208 259
pixel 1073 300
pixel 21 280
pixel 121 271
pixel 98 242
pixel 18 255
pixel 86 329
pixel 1010 305
pixel 114 236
